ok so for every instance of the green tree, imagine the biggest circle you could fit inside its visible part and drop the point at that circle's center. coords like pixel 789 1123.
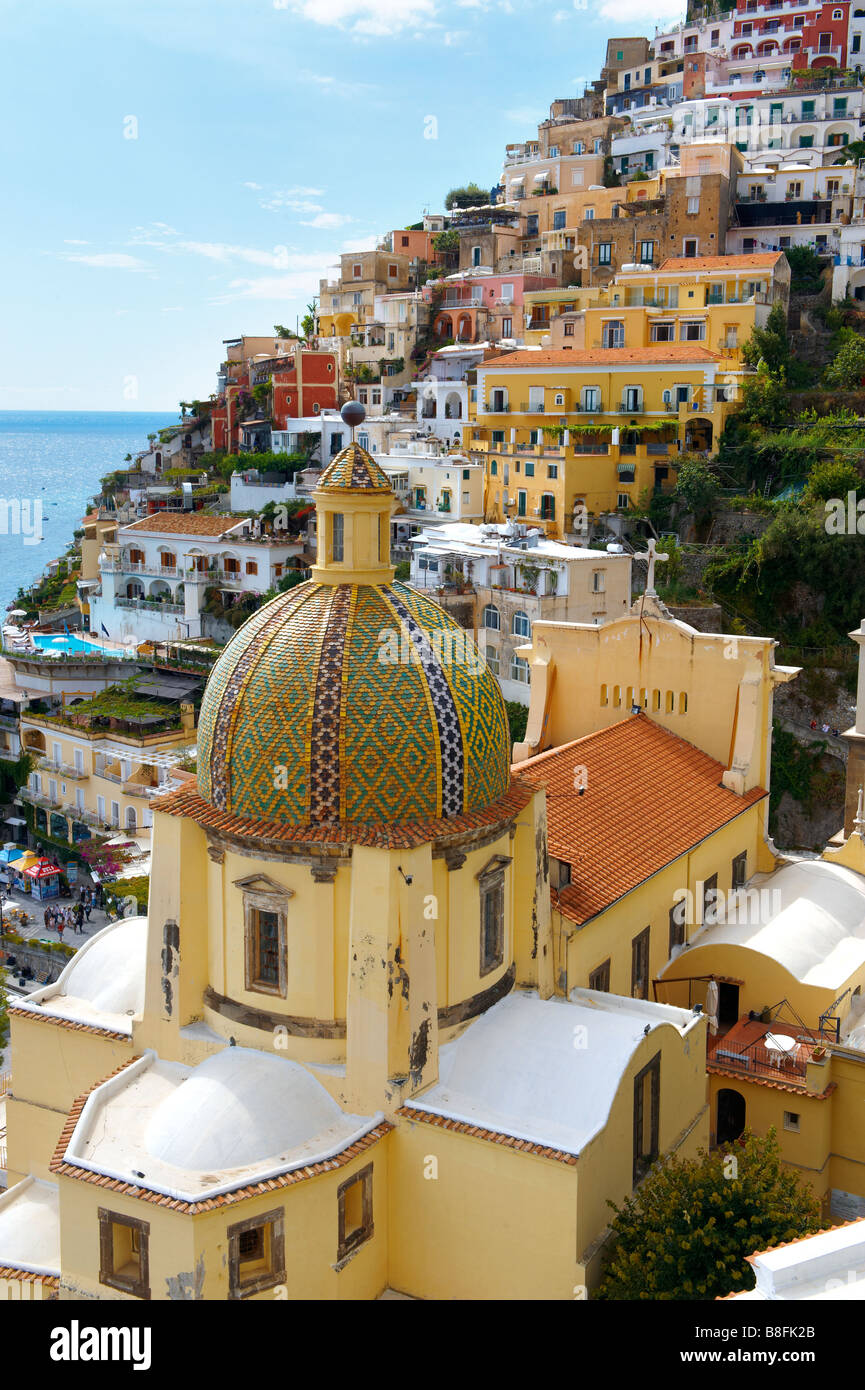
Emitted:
pixel 469 195
pixel 280 331
pixel 832 478
pixel 770 344
pixel 847 369
pixel 685 1233
pixel 307 323
pixel 765 400
pixel 445 242
pixel 697 486
pixel 402 570
pixel 518 718
pixel 805 269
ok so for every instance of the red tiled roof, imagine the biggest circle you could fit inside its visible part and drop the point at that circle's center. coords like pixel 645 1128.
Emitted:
pixel 185 801
pixel 755 1079
pixel 754 260
pixel 493 1136
pixel 657 354
pixel 185 524
pixel 25 1276
pixel 649 798
pixel 69 1023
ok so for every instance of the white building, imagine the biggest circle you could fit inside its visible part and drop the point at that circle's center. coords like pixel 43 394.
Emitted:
pixel 443 395
pixel 153 579
pixel 433 486
pixel 516 578
pixel 827 1266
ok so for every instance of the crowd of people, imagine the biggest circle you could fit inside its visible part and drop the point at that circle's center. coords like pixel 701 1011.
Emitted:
pixel 72 918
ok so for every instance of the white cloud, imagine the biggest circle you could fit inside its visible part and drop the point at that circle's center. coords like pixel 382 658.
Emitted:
pixel 328 221
pixel 277 287
pixel 526 115
pixel 362 243
pixel 255 186
pixel 109 260
pixel 454 37
pixel 172 309
pixel 373 18
pixel 71 241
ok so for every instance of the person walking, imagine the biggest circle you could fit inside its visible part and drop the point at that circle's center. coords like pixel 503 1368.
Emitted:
pixel 88 903
pixel 49 918
pixel 99 896
pixel 79 918
pixel 60 924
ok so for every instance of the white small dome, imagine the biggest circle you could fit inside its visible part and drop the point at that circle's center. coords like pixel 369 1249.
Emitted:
pixel 238 1108
pixel 109 971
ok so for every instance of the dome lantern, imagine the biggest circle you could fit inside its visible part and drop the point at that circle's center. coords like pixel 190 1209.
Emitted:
pixel 354 501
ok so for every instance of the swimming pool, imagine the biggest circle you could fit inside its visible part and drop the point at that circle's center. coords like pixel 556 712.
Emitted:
pixel 64 642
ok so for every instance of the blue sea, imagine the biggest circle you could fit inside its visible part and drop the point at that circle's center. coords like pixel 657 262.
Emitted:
pixel 55 458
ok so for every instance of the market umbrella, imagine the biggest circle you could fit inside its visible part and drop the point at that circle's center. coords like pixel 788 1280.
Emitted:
pixel 16 612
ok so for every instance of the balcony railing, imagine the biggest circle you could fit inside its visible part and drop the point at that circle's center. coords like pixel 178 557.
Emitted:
pixel 109 776
pixel 9 721
pixel 62 769
pixel 150 605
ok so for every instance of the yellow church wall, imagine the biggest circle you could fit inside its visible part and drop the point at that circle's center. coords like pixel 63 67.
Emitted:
pixel 190 1252
pixel 765 981
pixel 609 936
pixel 847 1109
pixel 171 1250
pixel 710 689
pixel 455 1234
pixel 808 1149
pixel 311 1211
pixel 606 1165
pixel 51 1067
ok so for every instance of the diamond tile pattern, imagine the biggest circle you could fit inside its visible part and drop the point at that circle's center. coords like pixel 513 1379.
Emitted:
pixel 341 704
pixel 354 470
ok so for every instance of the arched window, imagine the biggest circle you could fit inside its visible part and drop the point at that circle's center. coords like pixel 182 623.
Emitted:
pixel 520 625
pixel 492 659
pixel 519 670
pixel 131 821
pixel 491 618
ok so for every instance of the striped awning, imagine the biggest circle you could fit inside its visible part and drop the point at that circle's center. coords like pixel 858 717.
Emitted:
pixel 625 467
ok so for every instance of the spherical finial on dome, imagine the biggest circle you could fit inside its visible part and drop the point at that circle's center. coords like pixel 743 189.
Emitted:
pixel 353 413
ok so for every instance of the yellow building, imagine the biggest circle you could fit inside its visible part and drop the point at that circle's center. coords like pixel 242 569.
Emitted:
pixel 590 431
pixel 713 300
pixel 653 744
pixel 336 1059
pixel 101 761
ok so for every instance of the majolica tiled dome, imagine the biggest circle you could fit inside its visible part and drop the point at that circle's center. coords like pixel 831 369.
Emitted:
pixel 303 723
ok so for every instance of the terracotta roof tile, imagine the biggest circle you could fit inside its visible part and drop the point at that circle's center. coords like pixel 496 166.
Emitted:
pixel 650 797
pixel 185 801
pixel 26 1276
pixel 493 1136
pixel 756 260
pixel 573 358
pixel 793 1087
pixel 69 1023
pixel 186 524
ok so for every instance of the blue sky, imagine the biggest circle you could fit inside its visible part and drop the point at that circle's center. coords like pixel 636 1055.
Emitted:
pixel 182 171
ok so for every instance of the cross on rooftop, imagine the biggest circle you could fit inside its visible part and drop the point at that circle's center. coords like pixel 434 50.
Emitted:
pixel 651 556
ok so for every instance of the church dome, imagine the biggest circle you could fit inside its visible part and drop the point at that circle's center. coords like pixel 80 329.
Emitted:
pixel 350 701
